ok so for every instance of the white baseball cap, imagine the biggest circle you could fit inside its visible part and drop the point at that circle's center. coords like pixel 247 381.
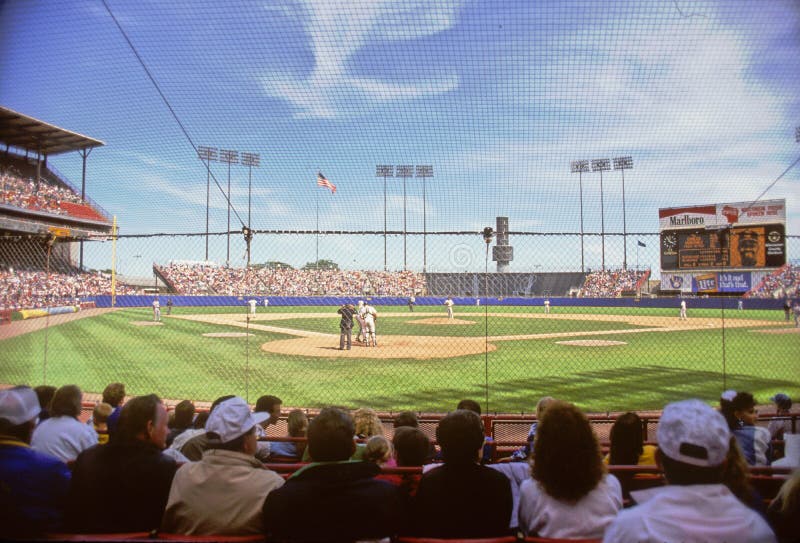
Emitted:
pixel 19 405
pixel 233 418
pixel 728 395
pixel 693 433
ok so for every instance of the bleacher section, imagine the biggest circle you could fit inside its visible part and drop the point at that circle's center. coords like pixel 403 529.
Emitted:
pixel 38 289
pixel 503 284
pixel 783 282
pixel 612 283
pixel 205 278
pixel 19 188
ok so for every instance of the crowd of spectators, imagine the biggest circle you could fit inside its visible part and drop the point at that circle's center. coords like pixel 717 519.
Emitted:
pixel 610 283
pixel 55 478
pixel 209 279
pixel 784 283
pixel 28 193
pixel 39 289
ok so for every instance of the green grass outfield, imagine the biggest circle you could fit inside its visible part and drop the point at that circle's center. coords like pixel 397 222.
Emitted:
pixel 652 367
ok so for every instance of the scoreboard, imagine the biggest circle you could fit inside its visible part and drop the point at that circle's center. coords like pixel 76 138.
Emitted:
pixel 730 236
pixel 750 247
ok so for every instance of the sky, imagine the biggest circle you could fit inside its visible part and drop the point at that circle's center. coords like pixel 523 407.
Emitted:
pixel 498 97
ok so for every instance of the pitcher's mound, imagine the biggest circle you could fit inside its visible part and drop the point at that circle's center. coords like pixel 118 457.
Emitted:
pixel 592 343
pixel 419 347
pixel 146 323
pixel 227 334
pixel 442 320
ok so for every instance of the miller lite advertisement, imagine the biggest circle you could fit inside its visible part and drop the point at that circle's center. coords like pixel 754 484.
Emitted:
pixel 741 235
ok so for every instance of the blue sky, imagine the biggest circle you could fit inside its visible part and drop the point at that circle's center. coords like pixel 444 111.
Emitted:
pixel 497 96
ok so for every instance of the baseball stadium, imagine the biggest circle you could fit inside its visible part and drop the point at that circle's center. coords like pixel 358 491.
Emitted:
pixel 400 205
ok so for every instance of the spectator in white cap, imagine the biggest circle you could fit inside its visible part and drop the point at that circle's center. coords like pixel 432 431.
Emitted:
pixel 34 484
pixel 693 441
pixel 223 494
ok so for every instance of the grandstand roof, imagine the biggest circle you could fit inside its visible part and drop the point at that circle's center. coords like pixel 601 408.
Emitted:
pixel 25 132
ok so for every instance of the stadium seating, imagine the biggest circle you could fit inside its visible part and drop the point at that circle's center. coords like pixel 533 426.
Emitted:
pixel 611 283
pixel 204 278
pixel 783 282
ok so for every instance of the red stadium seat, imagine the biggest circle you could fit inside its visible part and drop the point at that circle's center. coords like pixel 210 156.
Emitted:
pixel 556 540
pixel 504 539
pixel 209 538
pixel 123 536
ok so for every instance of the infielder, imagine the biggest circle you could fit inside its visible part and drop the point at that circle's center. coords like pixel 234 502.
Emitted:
pixel 683 310
pixel 156 311
pixel 547 307
pixel 448 303
pixel 252 304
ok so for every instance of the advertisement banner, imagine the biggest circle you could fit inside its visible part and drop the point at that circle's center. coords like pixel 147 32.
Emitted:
pixel 732 282
pixel 677 281
pixel 722 215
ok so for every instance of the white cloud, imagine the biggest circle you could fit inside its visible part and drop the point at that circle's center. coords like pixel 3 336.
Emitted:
pixel 337 31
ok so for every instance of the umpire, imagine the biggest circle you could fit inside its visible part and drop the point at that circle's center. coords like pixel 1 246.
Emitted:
pixel 346 325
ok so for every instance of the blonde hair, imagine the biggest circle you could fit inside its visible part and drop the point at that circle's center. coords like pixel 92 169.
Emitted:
pixel 367 423
pixel 378 450
pixel 789 494
pixel 101 412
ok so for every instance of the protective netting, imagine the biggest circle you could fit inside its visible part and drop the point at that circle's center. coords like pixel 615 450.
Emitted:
pixel 310 154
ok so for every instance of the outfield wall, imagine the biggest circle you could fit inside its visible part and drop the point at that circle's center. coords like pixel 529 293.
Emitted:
pixel 436 301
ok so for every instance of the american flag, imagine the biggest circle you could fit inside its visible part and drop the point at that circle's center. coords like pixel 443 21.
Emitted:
pixel 323 182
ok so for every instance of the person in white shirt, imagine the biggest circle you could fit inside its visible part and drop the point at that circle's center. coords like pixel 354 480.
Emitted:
pixel 683 310
pixel 693 442
pixel 252 304
pixel 570 495
pixel 63 435
pixel 156 310
pixel 224 492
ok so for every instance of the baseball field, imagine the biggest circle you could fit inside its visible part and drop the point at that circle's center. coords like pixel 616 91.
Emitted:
pixel 603 359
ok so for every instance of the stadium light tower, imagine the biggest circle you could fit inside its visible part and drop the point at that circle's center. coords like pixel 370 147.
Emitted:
pixel 424 172
pixel 602 165
pixel 579 167
pixel 623 163
pixel 208 154
pixel 229 156
pixel 251 160
pixel 405 172
pixel 384 171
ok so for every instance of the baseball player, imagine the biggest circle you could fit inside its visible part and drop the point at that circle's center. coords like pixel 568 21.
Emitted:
pixel 683 310
pixel 448 303
pixel 156 310
pixel 369 317
pixel 360 321
pixel 252 304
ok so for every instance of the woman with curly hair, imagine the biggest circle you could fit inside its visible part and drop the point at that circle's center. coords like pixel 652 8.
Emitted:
pixel 570 495
pixel 367 423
